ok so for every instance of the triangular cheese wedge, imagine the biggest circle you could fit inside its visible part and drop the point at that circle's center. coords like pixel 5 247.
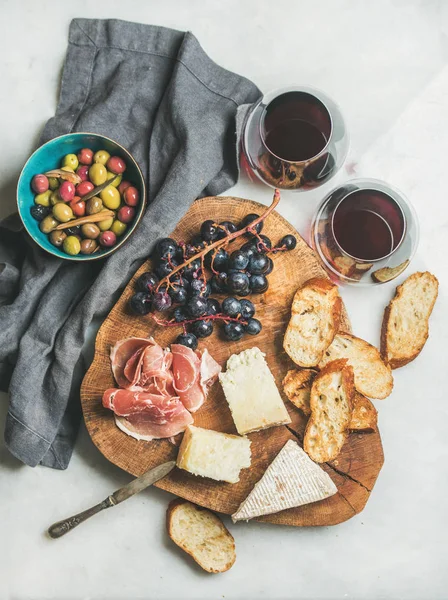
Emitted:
pixel 292 479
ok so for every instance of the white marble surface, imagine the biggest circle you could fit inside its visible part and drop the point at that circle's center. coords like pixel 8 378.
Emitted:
pixel 386 64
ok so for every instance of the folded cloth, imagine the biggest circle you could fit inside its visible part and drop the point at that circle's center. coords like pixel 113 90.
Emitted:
pixel 157 93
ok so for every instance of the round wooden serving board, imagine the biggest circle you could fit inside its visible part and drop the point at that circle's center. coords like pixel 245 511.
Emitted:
pixel 354 471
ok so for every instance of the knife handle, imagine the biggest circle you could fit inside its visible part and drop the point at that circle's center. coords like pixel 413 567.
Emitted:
pixel 62 527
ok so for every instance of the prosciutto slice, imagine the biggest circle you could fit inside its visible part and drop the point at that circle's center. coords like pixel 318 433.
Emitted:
pixel 126 358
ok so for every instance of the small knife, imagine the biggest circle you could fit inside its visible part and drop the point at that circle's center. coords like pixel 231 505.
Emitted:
pixel 134 487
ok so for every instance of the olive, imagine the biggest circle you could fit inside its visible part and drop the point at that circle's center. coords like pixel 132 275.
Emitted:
pixel 78 207
pixel 116 182
pixel 43 199
pixel 118 227
pixel 116 164
pixel 70 160
pixel 84 188
pixel 57 238
pixel 126 214
pixel 48 224
pixel 83 172
pixel 75 230
pixel 53 182
pixel 88 246
pixel 94 205
pixel 106 224
pixel 85 156
pixel 131 196
pixel 40 184
pixel 62 212
pixel 90 230
pixel 123 185
pixel 39 212
pixel 108 238
pixel 110 197
pixel 72 245
pixel 67 191
pixel 97 173
pixel 101 157
pixel 54 198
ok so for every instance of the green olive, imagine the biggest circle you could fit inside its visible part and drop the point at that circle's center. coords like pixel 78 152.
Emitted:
pixel 97 174
pixel 101 157
pixel 94 205
pixel 88 246
pixel 90 230
pixel 118 227
pixel 70 160
pixel 44 198
pixel 57 238
pixel 116 182
pixel 68 168
pixel 62 212
pixel 72 245
pixel 106 224
pixel 110 197
pixel 53 182
pixel 55 198
pixel 48 224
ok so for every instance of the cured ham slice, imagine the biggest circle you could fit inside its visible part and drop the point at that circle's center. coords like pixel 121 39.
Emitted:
pixel 209 372
pixel 126 358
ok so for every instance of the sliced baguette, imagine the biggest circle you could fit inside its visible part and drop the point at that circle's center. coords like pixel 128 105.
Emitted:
pixel 364 416
pixel 406 320
pixel 297 388
pixel 315 317
pixel 331 404
pixel 201 534
pixel 373 378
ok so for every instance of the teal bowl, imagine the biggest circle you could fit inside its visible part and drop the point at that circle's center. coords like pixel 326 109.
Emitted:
pixel 49 156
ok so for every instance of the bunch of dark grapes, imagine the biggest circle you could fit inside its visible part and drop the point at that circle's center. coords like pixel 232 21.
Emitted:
pixel 188 290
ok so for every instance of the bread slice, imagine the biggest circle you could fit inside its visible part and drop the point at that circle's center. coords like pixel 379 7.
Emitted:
pixel 201 534
pixel 373 377
pixel 406 320
pixel 331 404
pixel 315 316
pixel 364 416
pixel 297 388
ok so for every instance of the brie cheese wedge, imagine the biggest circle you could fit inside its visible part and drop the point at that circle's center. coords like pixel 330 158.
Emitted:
pixel 292 479
pixel 250 390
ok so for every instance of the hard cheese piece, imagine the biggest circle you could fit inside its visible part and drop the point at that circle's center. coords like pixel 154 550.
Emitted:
pixel 292 479
pixel 250 390
pixel 208 453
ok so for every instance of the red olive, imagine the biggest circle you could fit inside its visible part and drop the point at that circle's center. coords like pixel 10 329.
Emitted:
pixel 78 207
pixel 84 188
pixel 108 239
pixel 85 156
pixel 83 172
pixel 115 164
pixel 40 184
pixel 131 196
pixel 126 214
pixel 66 191
pixel 123 185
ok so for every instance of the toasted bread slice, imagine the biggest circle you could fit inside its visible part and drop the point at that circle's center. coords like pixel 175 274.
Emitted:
pixel 315 316
pixel 297 388
pixel 406 320
pixel 201 534
pixel 364 416
pixel 331 411
pixel 373 377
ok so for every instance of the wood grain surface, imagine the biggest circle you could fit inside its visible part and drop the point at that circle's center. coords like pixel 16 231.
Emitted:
pixel 354 471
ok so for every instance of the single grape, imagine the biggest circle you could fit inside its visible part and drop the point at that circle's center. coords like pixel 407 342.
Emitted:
pixel 258 284
pixel 219 284
pixel 247 309
pixel 265 242
pixel 179 314
pixel 248 220
pixel 213 306
pixel 258 264
pixel 253 327
pixel 202 329
pixel 238 283
pixel 233 331
pixel 270 266
pixel 197 306
pixel 178 294
pixel 218 259
pixel 164 268
pixel 165 248
pixel 209 231
pixel 147 282
pixel 162 301
pixel 187 339
pixel 229 227
pixel 238 260
pixel 250 248
pixel 289 242
pixel 140 303
pixel 191 269
pixel 231 307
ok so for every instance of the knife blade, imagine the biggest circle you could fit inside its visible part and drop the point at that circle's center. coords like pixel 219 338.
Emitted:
pixel 134 487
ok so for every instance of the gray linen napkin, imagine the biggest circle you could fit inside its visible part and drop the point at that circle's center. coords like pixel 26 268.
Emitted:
pixel 156 92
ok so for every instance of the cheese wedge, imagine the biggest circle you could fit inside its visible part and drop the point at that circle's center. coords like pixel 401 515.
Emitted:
pixel 208 453
pixel 292 479
pixel 250 390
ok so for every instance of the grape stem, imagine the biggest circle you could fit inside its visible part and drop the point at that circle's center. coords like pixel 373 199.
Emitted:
pixel 224 241
pixel 217 317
